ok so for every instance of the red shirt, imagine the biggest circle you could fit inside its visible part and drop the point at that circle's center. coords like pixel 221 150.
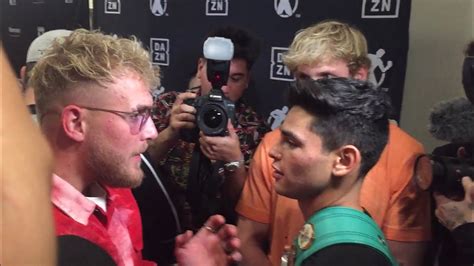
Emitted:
pixel 117 230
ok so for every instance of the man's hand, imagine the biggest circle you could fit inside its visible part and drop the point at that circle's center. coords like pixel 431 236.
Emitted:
pixel 216 243
pixel 182 115
pixel 452 214
pixel 221 148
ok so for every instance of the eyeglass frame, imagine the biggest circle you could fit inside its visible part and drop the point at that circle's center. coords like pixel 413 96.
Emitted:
pixel 146 112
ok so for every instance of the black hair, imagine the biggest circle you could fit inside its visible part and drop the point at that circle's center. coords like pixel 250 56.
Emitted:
pixel 346 112
pixel 469 49
pixel 246 45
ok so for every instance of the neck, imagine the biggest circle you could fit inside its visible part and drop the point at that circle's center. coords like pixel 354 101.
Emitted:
pixel 342 196
pixel 70 166
pixel 71 172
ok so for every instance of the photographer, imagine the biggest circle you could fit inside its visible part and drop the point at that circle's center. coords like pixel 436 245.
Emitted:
pixel 217 167
pixel 453 121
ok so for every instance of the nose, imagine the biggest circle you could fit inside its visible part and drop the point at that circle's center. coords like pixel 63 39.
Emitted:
pixel 274 153
pixel 149 130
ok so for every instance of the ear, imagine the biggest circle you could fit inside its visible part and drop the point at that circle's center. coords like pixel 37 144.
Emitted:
pixel 362 74
pixel 348 160
pixel 73 124
pixel 23 73
pixel 200 67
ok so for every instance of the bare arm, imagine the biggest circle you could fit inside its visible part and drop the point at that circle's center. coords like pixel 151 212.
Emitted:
pixel 27 226
pixel 254 238
pixel 408 253
pixel 181 116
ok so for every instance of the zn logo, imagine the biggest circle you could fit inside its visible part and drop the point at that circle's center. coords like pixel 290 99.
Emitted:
pixel 380 8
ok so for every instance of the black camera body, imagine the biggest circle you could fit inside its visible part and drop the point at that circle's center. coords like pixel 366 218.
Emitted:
pixel 212 113
pixel 443 174
pixel 214 109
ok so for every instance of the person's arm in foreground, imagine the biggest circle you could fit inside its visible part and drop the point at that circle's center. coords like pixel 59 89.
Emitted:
pixel 27 229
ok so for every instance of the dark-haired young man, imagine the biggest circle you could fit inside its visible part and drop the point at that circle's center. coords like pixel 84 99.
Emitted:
pixel 334 133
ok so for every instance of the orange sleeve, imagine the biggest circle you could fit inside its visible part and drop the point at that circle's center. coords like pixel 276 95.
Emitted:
pixel 256 197
pixel 408 214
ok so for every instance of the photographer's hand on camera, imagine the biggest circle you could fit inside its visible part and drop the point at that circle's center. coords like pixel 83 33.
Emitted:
pixel 221 148
pixel 182 116
pixel 452 214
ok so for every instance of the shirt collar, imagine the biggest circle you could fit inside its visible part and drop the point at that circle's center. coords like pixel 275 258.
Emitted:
pixel 71 201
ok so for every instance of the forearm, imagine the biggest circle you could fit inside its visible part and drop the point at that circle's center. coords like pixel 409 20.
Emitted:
pixel 233 184
pixel 160 147
pixel 253 254
pixel 408 253
pixel 254 239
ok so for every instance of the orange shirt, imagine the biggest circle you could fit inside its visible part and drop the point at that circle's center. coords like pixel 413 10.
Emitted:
pixel 388 194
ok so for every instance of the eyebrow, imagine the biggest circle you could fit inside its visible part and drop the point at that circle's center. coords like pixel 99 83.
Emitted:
pixel 289 134
pixel 142 107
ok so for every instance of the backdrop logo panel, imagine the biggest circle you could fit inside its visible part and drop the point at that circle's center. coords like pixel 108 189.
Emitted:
pixel 278 70
pixel 40 30
pixel 158 7
pixel 112 7
pixel 277 116
pixel 285 8
pixel 159 48
pixel 217 7
pixel 380 8
pixel 378 68
pixel 69 1
pixel 14 32
pixel 12 2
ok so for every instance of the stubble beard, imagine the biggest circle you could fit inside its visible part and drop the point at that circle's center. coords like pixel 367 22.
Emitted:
pixel 111 168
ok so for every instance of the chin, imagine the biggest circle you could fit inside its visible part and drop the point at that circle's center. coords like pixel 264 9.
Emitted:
pixel 280 189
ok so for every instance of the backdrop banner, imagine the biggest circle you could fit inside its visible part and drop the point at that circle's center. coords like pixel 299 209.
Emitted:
pixel 174 31
pixel 24 20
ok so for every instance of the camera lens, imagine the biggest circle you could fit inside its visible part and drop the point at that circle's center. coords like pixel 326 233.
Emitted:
pixel 213 118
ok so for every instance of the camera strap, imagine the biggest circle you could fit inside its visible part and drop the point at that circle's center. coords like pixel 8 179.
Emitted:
pixel 202 188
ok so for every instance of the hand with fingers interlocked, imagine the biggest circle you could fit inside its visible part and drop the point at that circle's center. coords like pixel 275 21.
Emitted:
pixel 216 243
pixel 452 214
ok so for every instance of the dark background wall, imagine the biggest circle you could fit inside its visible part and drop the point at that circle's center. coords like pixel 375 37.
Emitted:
pixel 174 30
pixel 23 20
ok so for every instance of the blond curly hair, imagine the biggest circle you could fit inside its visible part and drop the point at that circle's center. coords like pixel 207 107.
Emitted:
pixel 88 57
pixel 327 41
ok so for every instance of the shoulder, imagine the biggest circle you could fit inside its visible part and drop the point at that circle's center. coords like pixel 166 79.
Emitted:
pixel 272 137
pixel 122 197
pixel 400 142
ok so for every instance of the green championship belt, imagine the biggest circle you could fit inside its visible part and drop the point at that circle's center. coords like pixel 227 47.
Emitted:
pixel 338 225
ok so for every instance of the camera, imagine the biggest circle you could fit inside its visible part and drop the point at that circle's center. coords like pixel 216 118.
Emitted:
pixel 213 110
pixel 443 174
